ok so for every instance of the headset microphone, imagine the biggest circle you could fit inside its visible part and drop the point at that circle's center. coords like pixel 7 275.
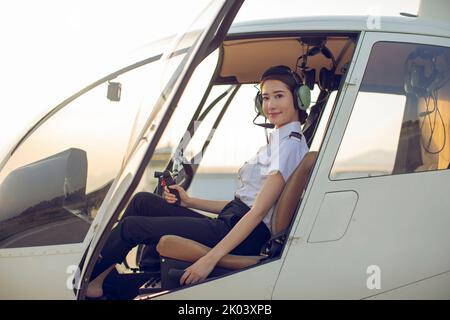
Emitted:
pixel 264 125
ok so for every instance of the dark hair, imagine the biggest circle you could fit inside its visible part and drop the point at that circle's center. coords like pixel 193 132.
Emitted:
pixel 288 77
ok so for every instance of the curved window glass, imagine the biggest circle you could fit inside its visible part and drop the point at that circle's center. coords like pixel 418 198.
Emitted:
pixel 54 183
pixel 174 62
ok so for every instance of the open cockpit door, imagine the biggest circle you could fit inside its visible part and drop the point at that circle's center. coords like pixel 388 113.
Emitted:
pixel 178 63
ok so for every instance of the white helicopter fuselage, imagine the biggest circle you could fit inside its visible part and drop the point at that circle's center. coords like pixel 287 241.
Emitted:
pixel 373 220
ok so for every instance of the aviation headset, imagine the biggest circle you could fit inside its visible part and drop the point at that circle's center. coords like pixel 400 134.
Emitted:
pixel 417 82
pixel 423 80
pixel 328 79
pixel 301 93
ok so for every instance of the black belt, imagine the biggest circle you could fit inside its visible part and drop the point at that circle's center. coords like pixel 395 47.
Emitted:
pixel 241 204
pixel 233 211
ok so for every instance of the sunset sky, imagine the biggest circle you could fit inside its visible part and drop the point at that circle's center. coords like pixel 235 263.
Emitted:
pixel 51 49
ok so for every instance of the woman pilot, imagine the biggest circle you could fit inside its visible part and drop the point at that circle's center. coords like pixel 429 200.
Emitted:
pixel 243 224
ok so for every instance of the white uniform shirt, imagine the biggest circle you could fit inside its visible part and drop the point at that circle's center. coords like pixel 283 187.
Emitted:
pixel 283 154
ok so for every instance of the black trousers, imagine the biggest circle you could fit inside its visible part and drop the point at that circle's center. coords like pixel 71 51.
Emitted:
pixel 149 217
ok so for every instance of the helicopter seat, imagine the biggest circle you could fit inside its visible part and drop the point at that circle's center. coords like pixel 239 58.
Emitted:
pixel 178 253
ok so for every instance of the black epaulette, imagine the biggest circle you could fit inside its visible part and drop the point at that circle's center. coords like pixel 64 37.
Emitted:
pixel 296 135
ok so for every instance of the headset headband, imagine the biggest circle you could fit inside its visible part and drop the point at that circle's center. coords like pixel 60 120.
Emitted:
pixel 282 70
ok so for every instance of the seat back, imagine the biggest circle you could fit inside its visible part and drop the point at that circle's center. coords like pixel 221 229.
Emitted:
pixel 292 193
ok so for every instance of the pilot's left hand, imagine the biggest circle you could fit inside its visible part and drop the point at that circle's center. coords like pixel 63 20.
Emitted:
pixel 199 271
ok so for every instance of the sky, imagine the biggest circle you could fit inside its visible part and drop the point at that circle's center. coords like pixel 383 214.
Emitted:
pixel 52 48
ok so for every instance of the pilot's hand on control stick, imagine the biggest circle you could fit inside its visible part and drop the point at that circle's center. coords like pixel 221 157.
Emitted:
pixel 171 198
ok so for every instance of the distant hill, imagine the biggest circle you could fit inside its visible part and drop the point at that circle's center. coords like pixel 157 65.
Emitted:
pixel 375 162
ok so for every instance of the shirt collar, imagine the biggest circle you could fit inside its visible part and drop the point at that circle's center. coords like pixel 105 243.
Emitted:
pixel 285 131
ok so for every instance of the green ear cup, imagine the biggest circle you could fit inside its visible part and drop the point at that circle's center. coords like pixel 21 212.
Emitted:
pixel 303 97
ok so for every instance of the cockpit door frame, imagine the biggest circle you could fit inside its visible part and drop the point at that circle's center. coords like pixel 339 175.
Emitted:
pixel 131 176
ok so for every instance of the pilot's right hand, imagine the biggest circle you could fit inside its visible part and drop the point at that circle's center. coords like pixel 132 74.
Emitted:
pixel 171 198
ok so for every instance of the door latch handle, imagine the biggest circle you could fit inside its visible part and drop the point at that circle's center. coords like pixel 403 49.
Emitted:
pixel 352 82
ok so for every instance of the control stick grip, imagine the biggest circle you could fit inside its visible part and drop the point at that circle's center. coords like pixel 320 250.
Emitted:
pixel 167 180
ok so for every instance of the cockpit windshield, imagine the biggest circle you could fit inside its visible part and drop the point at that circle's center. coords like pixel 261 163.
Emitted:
pixel 66 163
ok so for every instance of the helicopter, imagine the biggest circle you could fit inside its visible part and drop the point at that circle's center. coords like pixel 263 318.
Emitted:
pixel 365 216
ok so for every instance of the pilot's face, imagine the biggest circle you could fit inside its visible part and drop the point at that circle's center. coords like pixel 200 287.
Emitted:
pixel 278 104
